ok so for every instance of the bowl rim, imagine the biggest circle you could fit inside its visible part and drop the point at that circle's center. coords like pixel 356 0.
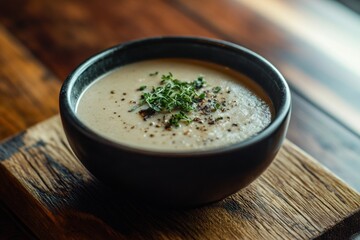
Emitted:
pixel 67 112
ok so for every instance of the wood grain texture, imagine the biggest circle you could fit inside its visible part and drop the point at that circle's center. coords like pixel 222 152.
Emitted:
pixel 28 91
pixel 28 95
pixel 74 30
pixel 58 199
pixel 328 142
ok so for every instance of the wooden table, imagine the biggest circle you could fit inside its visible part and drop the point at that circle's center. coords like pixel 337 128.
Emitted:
pixel 315 44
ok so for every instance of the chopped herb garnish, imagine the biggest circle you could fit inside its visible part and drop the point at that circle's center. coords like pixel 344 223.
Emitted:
pixel 202 96
pixel 178 117
pixel 141 88
pixel 171 95
pixel 153 74
pixel 177 96
pixel 216 89
pixel 199 82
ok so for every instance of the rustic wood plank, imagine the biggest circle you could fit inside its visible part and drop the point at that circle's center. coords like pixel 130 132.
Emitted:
pixel 294 199
pixel 28 95
pixel 28 91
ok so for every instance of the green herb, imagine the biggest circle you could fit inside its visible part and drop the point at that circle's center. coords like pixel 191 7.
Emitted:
pixel 153 74
pixel 179 96
pixel 202 96
pixel 141 88
pixel 216 89
pixel 168 77
pixel 199 82
pixel 176 118
pixel 172 95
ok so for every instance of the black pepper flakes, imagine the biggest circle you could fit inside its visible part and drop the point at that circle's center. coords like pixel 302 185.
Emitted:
pixel 112 92
pixel 146 113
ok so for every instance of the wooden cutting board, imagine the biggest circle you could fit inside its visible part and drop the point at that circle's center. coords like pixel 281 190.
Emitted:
pixel 56 197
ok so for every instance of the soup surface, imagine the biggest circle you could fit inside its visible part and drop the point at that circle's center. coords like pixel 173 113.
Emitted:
pixel 175 105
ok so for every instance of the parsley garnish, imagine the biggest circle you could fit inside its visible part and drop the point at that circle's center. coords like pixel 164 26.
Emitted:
pixel 199 82
pixel 176 118
pixel 178 96
pixel 173 95
pixel 216 89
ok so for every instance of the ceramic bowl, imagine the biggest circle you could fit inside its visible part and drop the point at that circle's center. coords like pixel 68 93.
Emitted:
pixel 182 179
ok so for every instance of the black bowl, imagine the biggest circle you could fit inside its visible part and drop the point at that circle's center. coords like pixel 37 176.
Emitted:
pixel 186 178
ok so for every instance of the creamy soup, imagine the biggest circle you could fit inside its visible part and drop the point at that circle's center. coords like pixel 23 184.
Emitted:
pixel 214 105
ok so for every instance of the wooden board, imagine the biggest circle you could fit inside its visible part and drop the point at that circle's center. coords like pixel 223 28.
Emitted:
pixel 48 189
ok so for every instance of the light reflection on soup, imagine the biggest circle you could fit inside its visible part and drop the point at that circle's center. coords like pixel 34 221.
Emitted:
pixel 234 107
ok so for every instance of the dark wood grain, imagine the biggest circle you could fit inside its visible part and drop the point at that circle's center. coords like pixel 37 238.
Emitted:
pixel 334 146
pixel 28 94
pixel 28 91
pixel 65 33
pixel 294 199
